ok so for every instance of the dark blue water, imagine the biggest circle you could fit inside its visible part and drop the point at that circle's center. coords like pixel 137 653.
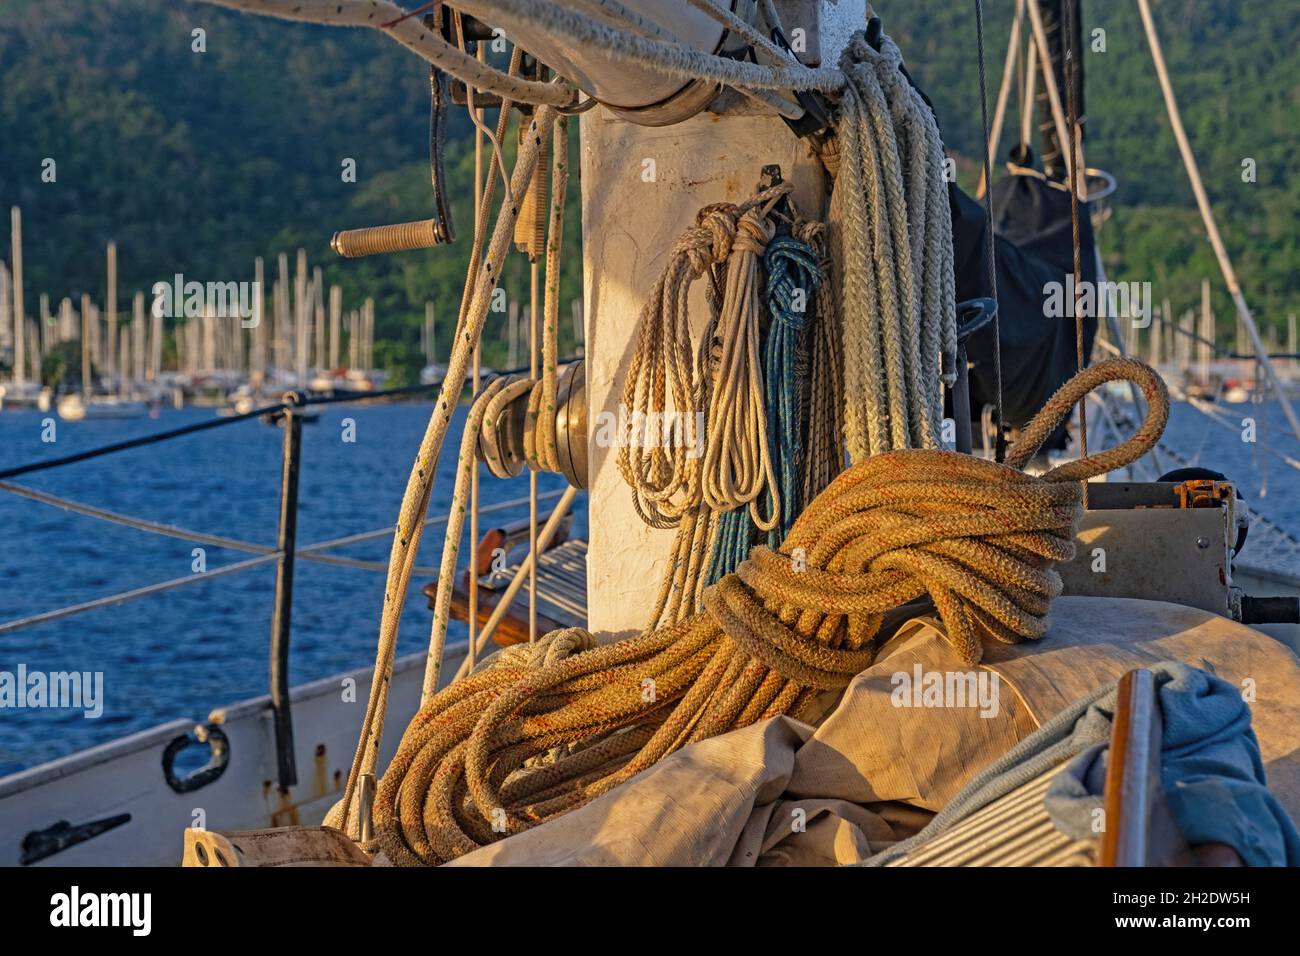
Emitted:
pixel 183 652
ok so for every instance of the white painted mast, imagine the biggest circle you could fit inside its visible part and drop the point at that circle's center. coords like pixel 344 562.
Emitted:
pixel 19 322
pixel 110 307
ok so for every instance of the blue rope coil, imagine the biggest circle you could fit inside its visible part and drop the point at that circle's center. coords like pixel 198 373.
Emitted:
pixel 793 274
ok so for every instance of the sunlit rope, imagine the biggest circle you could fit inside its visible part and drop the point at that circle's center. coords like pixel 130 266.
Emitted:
pixel 891 242
pixel 978 537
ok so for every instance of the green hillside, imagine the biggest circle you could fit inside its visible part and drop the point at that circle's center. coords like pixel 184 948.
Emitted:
pixel 1236 72
pixel 197 162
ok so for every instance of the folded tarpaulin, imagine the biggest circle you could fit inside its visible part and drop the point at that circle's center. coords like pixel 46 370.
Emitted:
pixel 1211 771
pixel 874 771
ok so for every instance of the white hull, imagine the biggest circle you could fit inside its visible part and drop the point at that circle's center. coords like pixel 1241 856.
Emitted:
pixel 126 776
pixel 73 408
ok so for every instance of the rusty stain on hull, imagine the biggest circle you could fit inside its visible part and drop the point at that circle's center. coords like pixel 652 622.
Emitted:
pixel 281 805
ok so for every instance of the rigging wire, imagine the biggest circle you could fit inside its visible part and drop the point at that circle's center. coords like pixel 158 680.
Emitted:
pixel 1071 73
pixel 1000 423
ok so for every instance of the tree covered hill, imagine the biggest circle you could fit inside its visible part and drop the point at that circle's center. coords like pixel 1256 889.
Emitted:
pixel 1235 67
pixel 195 162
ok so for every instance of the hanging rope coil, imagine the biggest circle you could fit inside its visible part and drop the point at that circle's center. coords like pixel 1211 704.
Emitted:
pixel 793 276
pixel 662 454
pixel 979 537
pixel 891 241
pixel 737 458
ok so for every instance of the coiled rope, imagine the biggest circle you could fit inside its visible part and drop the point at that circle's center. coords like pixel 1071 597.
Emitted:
pixel 977 536
pixel 691 410
pixel 794 274
pixel 662 455
pixel 891 237
pixel 737 457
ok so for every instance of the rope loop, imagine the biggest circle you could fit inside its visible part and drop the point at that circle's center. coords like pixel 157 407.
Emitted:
pixel 1059 406
pixel 791 267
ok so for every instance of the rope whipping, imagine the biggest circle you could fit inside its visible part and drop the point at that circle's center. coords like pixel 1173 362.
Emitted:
pixel 891 243
pixel 776 637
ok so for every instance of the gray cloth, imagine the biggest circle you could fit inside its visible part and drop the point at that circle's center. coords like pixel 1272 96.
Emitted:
pixel 1211 770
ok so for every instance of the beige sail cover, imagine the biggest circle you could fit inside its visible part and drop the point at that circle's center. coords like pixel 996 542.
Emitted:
pixel 873 772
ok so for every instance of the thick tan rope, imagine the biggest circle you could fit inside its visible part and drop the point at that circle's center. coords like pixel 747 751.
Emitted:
pixel 979 537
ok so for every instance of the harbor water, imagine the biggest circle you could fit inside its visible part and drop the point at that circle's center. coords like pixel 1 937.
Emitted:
pixel 185 651
pixel 182 652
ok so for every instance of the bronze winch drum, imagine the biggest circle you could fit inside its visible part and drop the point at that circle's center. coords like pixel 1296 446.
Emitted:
pixel 501 444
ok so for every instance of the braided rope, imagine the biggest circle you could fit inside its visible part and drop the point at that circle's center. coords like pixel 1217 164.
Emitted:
pixel 977 536
pixel 411 33
pixel 793 277
pixel 662 455
pixel 737 457
pixel 481 424
pixel 891 237
pixel 419 486
pixel 825 458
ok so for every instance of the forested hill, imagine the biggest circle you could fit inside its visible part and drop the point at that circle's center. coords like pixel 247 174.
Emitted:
pixel 1235 67
pixel 196 162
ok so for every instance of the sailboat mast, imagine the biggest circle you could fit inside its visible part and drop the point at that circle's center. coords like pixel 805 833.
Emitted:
pixel 20 323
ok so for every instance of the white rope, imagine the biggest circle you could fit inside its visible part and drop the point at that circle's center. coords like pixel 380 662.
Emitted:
pixel 420 483
pixel 673 59
pixel 891 234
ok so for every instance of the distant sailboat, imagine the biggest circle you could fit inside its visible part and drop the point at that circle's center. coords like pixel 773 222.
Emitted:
pixel 74 408
pixel 79 406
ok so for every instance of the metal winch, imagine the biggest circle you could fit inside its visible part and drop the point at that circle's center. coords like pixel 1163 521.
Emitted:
pixel 1173 540
pixel 501 443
